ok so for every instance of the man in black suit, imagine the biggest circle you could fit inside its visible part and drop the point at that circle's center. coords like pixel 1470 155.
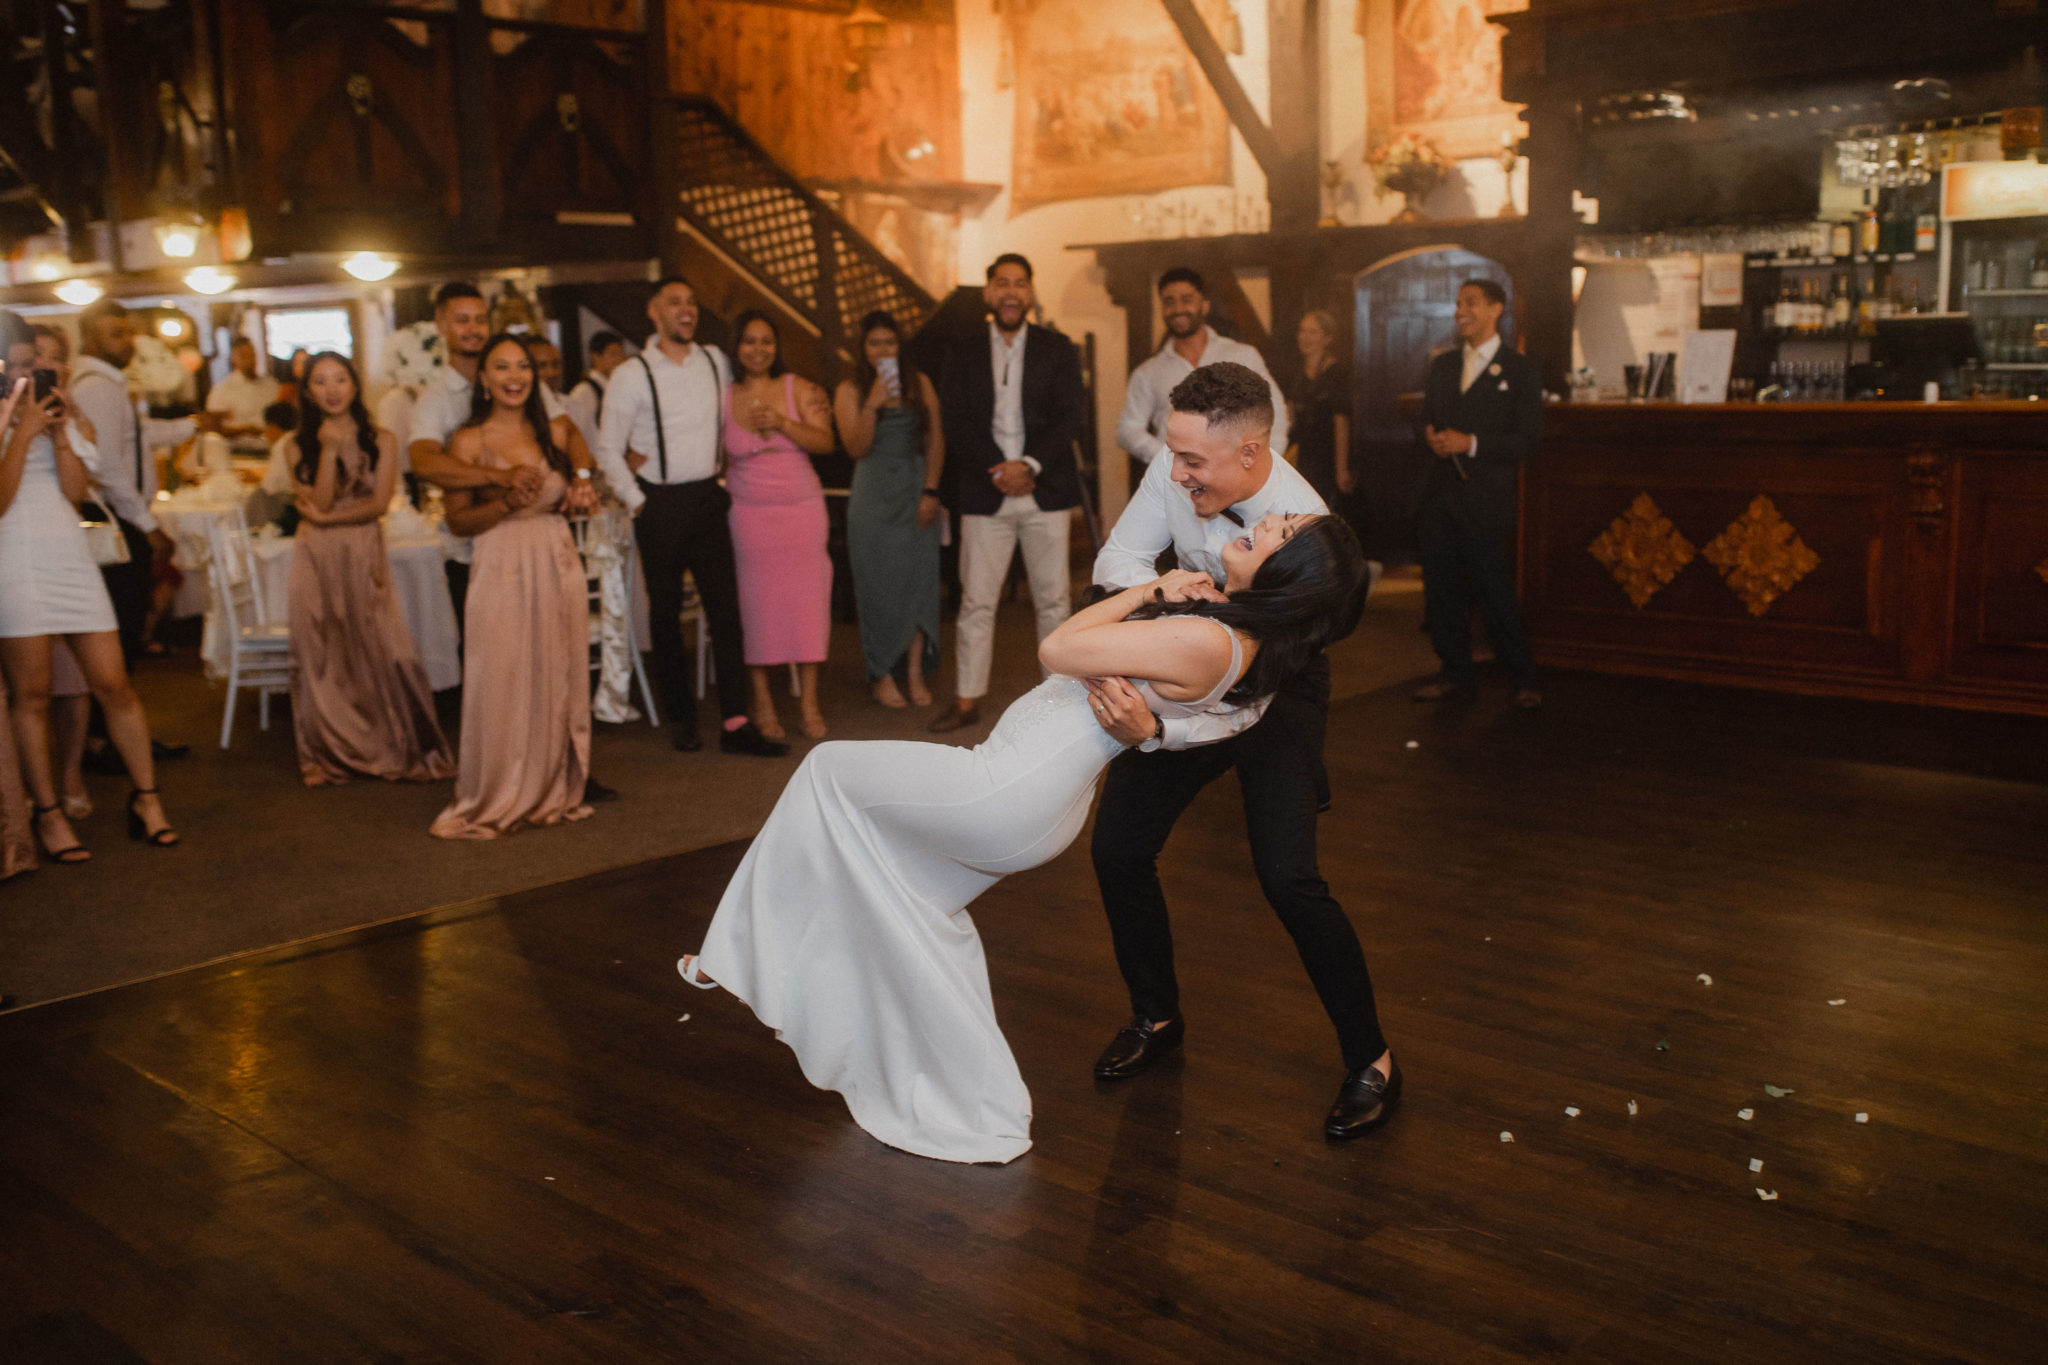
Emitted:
pixel 1011 404
pixel 1482 414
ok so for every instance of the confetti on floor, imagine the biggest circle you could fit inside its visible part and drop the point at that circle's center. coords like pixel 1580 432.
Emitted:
pixel 1571 1111
pixel 1776 1092
pixel 1745 1114
pixel 682 1019
pixel 1663 1045
pixel 1704 979
pixel 1863 1118
pixel 1755 1164
pixel 1506 1136
pixel 1838 1002
pixel 1631 1106
pixel 1766 1195
pixel 1413 744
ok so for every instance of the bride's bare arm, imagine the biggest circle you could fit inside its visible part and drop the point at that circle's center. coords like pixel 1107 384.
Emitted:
pixel 1182 657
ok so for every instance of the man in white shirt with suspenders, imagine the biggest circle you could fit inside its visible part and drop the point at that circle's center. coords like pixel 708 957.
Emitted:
pixel 658 447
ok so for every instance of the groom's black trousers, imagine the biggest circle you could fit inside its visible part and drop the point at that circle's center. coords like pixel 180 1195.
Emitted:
pixel 1279 764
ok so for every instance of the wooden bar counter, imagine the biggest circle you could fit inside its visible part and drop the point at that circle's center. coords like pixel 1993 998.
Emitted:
pixel 1895 551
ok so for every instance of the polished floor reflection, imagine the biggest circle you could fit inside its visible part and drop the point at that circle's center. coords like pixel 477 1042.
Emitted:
pixel 507 1132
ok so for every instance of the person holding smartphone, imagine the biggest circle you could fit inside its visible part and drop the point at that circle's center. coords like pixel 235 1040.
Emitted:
pixel 51 588
pixel 888 417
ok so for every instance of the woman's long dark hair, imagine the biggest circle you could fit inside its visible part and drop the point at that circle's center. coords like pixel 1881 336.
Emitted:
pixel 864 373
pixel 776 369
pixel 534 409
pixel 1307 596
pixel 310 418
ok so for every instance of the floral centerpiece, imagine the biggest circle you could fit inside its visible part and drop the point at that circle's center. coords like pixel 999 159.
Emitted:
pixel 413 356
pixel 1410 165
pixel 154 372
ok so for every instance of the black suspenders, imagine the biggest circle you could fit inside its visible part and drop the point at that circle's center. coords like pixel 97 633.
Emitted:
pixel 660 436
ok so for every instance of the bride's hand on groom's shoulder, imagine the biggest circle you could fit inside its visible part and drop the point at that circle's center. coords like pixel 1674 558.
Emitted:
pixel 1187 585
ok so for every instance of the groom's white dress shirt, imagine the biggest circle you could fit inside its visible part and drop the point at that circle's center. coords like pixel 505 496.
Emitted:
pixel 1161 514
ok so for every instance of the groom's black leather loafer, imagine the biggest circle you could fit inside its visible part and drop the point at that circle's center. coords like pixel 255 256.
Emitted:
pixel 1364 1102
pixel 1136 1047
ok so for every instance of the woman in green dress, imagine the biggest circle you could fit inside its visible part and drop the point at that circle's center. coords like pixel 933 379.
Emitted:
pixel 888 416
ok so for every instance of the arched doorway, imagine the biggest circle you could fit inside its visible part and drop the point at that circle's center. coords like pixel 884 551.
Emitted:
pixel 1401 314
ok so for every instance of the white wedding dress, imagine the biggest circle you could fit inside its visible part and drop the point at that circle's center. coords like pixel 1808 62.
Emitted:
pixel 846 927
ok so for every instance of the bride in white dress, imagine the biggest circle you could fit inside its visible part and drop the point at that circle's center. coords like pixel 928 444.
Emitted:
pixel 845 927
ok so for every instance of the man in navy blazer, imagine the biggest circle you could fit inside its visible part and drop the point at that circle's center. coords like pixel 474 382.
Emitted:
pixel 1010 402
pixel 1482 415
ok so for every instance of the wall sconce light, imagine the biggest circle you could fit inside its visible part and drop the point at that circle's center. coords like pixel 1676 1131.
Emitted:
pixel 78 293
pixel 47 266
pixel 865 31
pixel 170 328
pixel 206 280
pixel 369 267
pixel 178 238
pixel 235 242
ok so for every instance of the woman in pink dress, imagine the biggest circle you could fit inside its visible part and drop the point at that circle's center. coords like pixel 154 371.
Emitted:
pixel 774 423
pixel 526 649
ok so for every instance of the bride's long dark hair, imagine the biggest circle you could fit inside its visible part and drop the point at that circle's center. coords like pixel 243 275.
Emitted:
pixel 1307 596
pixel 534 410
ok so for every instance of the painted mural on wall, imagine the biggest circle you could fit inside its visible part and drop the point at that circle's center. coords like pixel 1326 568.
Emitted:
pixel 1110 101
pixel 1433 68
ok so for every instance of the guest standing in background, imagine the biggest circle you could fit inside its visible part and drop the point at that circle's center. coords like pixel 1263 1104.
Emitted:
pixel 17 816
pixel 586 401
pixel 50 587
pixel 1012 398
pixel 1482 415
pixel 239 399
pixel 658 447
pixel 526 670
pixel 361 706
pixel 1190 344
pixel 1320 403
pixel 774 422
pixel 463 320
pixel 125 438
pixel 888 416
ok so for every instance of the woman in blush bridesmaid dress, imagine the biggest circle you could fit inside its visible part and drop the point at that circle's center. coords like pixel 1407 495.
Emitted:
pixel 360 701
pixel 526 652
pixel 774 422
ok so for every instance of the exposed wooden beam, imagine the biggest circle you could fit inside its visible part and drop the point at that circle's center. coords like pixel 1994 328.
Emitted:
pixel 1244 115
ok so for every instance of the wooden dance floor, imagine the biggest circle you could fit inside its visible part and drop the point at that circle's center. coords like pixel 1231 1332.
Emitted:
pixel 506 1132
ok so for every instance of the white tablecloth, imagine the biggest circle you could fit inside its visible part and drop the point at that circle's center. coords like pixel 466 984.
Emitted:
pixel 416 576
pixel 184 516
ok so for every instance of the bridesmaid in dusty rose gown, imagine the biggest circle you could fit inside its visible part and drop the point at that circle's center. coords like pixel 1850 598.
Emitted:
pixel 361 706
pixel 774 422
pixel 526 645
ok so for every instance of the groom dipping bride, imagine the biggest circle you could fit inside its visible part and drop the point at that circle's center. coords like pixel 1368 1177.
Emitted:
pixel 845 927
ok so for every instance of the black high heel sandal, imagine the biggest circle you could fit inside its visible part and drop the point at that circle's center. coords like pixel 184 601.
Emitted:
pixel 139 831
pixel 70 856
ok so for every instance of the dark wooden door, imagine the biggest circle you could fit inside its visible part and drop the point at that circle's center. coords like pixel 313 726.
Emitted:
pixel 1402 310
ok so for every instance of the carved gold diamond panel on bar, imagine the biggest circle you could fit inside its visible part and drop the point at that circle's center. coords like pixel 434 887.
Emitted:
pixel 1642 550
pixel 1761 556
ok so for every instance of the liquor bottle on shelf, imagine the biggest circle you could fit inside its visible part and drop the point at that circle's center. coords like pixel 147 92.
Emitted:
pixel 1814 310
pixel 1926 233
pixel 1842 240
pixel 1869 233
pixel 2037 274
pixel 1838 306
pixel 1784 311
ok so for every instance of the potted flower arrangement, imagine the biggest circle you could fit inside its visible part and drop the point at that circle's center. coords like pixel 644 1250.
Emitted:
pixel 1410 165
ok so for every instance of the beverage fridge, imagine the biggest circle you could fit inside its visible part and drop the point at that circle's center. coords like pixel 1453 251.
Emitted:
pixel 1994 268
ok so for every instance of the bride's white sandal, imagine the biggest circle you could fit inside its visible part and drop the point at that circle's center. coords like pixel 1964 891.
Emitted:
pixel 692 968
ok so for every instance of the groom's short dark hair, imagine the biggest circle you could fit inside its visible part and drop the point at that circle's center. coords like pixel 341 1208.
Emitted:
pixel 1228 395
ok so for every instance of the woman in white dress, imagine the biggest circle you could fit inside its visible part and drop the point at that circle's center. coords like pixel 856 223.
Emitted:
pixel 845 927
pixel 50 588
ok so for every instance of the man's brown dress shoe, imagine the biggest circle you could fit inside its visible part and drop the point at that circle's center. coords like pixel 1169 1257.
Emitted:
pixel 953 718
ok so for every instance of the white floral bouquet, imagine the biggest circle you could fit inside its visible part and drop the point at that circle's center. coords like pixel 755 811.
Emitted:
pixel 413 356
pixel 155 372
pixel 1408 164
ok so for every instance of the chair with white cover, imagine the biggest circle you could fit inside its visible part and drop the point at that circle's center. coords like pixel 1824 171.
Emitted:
pixel 592 534
pixel 258 648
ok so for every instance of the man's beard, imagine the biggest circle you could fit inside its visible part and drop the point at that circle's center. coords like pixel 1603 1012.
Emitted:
pixel 1183 325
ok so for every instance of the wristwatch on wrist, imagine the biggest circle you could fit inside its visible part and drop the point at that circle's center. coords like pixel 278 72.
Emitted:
pixel 1158 735
pixel 931 492
pixel 583 474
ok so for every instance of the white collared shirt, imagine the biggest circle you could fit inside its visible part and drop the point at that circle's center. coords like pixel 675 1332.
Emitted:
pixel 1142 428
pixel 1477 358
pixel 126 437
pixel 1006 360
pixel 585 406
pixel 1160 514
pixel 243 398
pixel 692 406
